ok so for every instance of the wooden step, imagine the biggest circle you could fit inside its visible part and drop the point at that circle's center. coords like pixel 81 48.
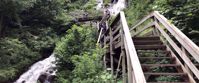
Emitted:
pixel 150 47
pixel 151 42
pixel 165 74
pixel 153 51
pixel 146 38
pixel 160 65
pixel 168 82
pixel 156 58
pixel 152 77
pixel 159 69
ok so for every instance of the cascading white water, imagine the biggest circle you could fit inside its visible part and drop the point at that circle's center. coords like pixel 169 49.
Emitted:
pixel 114 8
pixel 117 7
pixel 37 69
pixel 99 4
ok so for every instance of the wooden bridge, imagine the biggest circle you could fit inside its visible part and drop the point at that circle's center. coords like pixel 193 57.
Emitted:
pixel 153 51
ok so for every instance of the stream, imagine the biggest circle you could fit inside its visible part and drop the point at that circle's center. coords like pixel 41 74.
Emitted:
pixel 44 67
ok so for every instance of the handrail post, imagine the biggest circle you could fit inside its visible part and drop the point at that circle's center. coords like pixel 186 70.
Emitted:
pixel 111 51
pixel 123 57
pixel 156 32
pixel 184 53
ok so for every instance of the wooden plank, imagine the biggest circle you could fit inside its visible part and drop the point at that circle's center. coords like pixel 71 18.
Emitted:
pixel 119 63
pixel 123 58
pixel 123 67
pixel 150 47
pixel 98 40
pixel 129 46
pixel 116 37
pixel 104 58
pixel 161 65
pixel 117 45
pixel 179 51
pixel 185 54
pixel 150 42
pixel 156 30
pixel 160 74
pixel 191 47
pixel 111 51
pixel 117 29
pixel 146 38
pixel 121 54
pixel 168 82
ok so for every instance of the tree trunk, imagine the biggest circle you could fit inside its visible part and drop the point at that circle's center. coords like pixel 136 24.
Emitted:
pixel 18 20
pixel 1 25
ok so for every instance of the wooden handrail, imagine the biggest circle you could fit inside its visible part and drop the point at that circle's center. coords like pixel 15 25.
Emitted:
pixel 185 42
pixel 191 47
pixel 179 51
pixel 129 47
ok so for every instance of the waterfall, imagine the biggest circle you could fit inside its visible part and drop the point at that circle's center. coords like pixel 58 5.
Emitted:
pixel 114 8
pixel 117 7
pixel 46 66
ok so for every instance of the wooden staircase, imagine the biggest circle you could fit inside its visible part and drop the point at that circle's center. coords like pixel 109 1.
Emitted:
pixel 156 53
pixel 157 63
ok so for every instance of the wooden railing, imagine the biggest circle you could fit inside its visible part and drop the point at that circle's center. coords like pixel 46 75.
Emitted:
pixel 118 36
pixel 131 53
pixel 177 42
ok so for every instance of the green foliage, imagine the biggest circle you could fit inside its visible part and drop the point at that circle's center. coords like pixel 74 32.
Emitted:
pixel 10 10
pixel 10 61
pixel 7 74
pixel 183 13
pixel 79 58
pixel 24 34
pixel 88 68
pixel 137 10
pixel 78 40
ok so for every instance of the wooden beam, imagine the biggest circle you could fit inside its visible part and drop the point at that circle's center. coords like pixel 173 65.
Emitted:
pixel 111 51
pixel 119 63
pixel 117 29
pixel 99 37
pixel 123 67
pixel 116 37
pixel 123 58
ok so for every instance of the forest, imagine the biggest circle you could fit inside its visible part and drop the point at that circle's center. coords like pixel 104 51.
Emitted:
pixel 31 30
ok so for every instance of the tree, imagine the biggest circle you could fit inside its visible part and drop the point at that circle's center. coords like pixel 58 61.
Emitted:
pixel 9 12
